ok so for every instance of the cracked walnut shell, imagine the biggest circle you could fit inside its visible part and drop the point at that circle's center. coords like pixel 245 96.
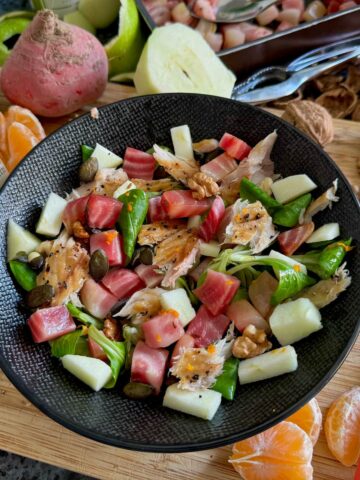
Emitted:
pixel 339 102
pixel 312 119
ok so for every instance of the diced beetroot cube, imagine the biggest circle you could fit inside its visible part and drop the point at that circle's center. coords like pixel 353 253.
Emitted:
pixel 149 275
pixel 217 291
pixel 49 323
pixel 212 221
pixel 234 147
pixel 75 212
pixel 206 328
pixel 97 300
pixel 102 212
pixel 148 365
pixel 111 242
pixel 163 330
pixel 186 341
pixel 156 212
pixel 96 351
pixel 181 203
pixel 242 313
pixel 298 4
pixel 291 240
pixel 122 283
pixel 138 164
pixel 219 167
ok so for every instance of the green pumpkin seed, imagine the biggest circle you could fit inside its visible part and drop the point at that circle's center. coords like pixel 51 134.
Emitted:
pixel 99 265
pixel 138 391
pixel 36 262
pixel 88 170
pixel 40 295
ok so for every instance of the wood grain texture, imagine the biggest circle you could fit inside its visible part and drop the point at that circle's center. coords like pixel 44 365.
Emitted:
pixel 26 431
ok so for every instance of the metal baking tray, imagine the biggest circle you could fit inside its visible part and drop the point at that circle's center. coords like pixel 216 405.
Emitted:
pixel 280 48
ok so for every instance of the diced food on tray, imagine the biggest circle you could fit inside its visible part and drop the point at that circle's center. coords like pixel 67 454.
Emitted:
pixel 182 285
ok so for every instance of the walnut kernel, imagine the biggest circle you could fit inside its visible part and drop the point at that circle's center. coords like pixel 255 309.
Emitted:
pixel 253 342
pixel 202 186
pixel 79 231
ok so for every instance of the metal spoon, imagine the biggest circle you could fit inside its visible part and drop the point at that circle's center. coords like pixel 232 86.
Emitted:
pixel 234 11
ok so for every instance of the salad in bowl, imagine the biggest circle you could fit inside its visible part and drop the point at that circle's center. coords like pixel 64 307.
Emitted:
pixel 180 272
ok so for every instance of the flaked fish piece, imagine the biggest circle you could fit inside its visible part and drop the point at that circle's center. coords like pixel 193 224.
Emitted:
pixel 250 225
pixel 326 291
pixel 142 305
pixel 154 233
pixel 45 247
pixel 66 268
pixel 179 168
pixel 160 185
pixel 256 167
pixel 197 368
pixel 324 201
pixel 106 182
pixel 176 255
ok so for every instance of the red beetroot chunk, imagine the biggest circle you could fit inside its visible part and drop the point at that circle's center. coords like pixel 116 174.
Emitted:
pixel 163 330
pixel 49 323
pixel 148 365
pixel 122 283
pixel 217 291
pixel 206 328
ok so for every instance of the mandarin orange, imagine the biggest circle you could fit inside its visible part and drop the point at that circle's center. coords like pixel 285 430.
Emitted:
pixel 20 141
pixel 309 418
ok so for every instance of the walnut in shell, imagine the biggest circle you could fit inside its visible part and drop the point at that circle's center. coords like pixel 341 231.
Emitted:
pixel 327 82
pixel 339 102
pixel 312 119
pixel 356 113
pixel 353 78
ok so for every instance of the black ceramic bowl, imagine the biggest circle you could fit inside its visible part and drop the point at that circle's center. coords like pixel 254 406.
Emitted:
pixel 107 416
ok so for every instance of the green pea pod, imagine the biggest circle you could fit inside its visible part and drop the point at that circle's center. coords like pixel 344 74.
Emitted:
pixel 23 274
pixel 132 216
pixel 226 382
pixel 251 192
pixel 86 152
pixel 288 215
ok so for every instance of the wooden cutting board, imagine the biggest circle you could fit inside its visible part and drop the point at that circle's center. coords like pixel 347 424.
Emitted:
pixel 26 431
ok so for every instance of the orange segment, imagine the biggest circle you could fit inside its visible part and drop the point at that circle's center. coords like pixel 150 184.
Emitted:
pixel 282 452
pixel 342 427
pixel 3 139
pixel 20 140
pixel 27 118
pixel 309 418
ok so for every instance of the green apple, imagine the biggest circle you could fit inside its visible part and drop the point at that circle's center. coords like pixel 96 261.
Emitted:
pixel 100 13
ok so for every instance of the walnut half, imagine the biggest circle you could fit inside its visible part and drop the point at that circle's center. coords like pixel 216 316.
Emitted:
pixel 203 186
pixel 253 342
pixel 311 118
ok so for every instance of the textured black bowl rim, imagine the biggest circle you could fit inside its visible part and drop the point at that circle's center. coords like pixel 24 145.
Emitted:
pixel 186 447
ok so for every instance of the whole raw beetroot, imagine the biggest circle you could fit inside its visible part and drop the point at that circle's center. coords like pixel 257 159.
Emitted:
pixel 54 68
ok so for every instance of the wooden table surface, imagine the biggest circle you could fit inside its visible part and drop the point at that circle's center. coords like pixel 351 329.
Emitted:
pixel 26 431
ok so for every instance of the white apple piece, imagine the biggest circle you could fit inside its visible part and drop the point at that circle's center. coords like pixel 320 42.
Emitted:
pixel 271 364
pixel 210 249
pixel 182 142
pixel 327 232
pixel 125 187
pixel 105 158
pixel 292 321
pixel 202 403
pixel 93 372
pixel 50 220
pixel 178 300
pixel 19 240
pixel 292 187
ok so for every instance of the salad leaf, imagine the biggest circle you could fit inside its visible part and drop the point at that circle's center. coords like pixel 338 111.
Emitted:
pixel 132 216
pixel 23 274
pixel 132 335
pixel 241 294
pixel 325 262
pixel 182 283
pixel 83 317
pixel 250 191
pixel 291 281
pixel 288 215
pixel 74 343
pixel 86 152
pixel 246 276
pixel 115 351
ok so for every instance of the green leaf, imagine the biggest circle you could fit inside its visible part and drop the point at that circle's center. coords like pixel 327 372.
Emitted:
pixel 83 317
pixel 131 334
pixel 325 262
pixel 132 216
pixel 253 193
pixel 115 351
pixel 241 294
pixel 74 343
pixel 182 283
pixel 288 215
pixel 86 152
pixel 23 274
